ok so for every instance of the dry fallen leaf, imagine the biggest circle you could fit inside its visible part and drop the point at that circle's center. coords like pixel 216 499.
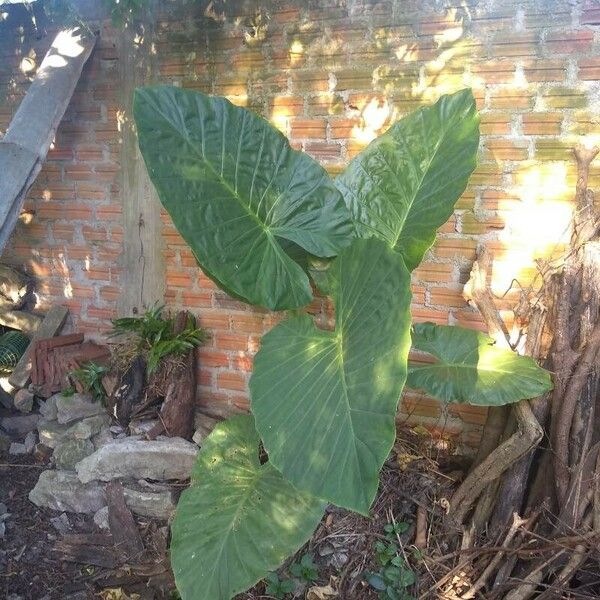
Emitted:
pixel 117 594
pixel 404 459
pixel 324 592
pixel 421 430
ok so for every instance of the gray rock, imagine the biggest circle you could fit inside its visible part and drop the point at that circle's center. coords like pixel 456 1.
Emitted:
pixel 23 401
pixel 4 514
pixel 218 409
pixel 76 407
pixel 17 448
pixel 61 523
pixel 30 441
pixel 86 428
pixel 161 459
pixel 141 427
pixel 42 453
pixel 101 518
pixel 5 441
pixel 62 490
pixel 6 399
pixel 48 408
pixel 69 452
pixel 157 504
pixel 53 433
pixel 21 425
pixel 204 425
pixel 102 438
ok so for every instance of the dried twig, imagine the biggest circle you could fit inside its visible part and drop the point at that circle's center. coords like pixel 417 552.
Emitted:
pixel 517 523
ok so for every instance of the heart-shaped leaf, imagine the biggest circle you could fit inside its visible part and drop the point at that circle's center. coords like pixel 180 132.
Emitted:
pixel 325 401
pixel 404 185
pixel 234 189
pixel 239 519
pixel 471 369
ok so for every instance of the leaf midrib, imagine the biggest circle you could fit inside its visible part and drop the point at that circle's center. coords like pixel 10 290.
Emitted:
pixel 424 174
pixel 202 156
pixel 442 365
pixel 244 499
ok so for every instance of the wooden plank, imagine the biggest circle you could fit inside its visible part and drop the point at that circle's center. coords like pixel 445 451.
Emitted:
pixel 33 127
pixel 51 325
pixel 126 536
pixel 17 319
pixel 99 556
pixel 90 539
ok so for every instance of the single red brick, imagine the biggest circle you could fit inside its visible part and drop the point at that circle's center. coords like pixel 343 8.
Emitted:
pixel 214 320
pixel 109 293
pixel 231 380
pixel 248 323
pixel 106 314
pixel 440 296
pixel 179 279
pixel 232 341
pixel 569 41
pixel 434 272
pixel 197 299
pixel 211 358
pixel 589 68
pixel 309 128
pixel 324 151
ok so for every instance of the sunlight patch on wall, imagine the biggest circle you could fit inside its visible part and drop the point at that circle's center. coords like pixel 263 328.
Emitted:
pixel 538 226
pixel 373 118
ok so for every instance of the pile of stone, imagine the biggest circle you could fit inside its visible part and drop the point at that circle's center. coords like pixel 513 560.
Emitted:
pixel 87 452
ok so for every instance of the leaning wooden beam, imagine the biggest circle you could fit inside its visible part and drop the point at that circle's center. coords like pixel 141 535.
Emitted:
pixel 23 321
pixel 31 131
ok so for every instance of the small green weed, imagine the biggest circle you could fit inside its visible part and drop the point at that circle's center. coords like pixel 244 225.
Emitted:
pixel 277 587
pixel 395 575
pixel 305 569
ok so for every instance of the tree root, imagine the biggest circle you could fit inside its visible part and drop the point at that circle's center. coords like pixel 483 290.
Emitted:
pixel 529 433
pixel 483 578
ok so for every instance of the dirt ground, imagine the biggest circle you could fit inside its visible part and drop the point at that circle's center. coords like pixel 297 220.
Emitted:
pixel 343 547
pixel 28 566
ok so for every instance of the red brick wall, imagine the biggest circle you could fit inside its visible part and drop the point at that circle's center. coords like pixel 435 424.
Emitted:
pixel 331 78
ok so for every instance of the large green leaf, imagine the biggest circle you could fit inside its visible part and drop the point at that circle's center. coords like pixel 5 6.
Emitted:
pixel 405 184
pixel 239 519
pixel 470 369
pixel 234 189
pixel 325 401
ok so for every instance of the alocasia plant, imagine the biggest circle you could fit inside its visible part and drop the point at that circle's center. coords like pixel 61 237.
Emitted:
pixel 253 210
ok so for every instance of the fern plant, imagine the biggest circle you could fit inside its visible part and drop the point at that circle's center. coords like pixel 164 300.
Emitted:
pixel 153 336
pixel 90 376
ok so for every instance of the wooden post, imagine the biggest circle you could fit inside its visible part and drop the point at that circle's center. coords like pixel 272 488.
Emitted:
pixel 143 262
